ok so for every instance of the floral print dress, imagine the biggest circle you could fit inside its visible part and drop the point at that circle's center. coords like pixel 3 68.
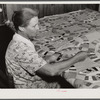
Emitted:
pixel 23 61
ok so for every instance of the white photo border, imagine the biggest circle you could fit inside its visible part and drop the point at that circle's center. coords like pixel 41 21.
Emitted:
pixel 50 93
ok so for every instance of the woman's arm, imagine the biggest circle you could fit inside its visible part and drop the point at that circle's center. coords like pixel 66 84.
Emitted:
pixel 58 67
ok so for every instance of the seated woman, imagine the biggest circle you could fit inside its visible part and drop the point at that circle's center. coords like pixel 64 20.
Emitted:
pixel 22 60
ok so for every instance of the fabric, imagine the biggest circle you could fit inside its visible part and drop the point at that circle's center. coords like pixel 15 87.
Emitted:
pixel 68 34
pixel 23 61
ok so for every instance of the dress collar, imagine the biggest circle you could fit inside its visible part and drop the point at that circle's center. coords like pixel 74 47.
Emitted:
pixel 18 37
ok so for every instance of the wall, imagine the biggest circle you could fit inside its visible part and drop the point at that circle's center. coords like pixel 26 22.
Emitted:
pixel 49 9
pixel 3 14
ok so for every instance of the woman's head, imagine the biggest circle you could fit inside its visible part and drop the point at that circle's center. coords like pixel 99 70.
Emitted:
pixel 22 18
pixel 26 22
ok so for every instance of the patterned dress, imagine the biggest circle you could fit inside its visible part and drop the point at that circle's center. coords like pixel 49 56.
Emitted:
pixel 23 61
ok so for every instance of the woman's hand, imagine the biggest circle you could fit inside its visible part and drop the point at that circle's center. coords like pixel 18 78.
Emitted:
pixel 80 56
pixel 52 58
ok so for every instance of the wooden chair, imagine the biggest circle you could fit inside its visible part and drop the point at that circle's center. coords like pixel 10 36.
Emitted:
pixel 6 80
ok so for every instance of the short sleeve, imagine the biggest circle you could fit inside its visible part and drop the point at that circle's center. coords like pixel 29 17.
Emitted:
pixel 28 58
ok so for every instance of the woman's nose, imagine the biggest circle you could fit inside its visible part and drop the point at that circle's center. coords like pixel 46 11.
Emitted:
pixel 37 27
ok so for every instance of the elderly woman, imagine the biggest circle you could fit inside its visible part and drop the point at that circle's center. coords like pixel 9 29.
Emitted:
pixel 22 60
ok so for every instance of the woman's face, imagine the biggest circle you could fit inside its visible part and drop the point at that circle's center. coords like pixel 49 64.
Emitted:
pixel 32 27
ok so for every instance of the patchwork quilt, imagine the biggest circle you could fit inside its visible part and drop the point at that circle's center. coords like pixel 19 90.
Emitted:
pixel 68 34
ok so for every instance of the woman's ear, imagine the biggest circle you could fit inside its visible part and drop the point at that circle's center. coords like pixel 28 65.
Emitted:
pixel 21 28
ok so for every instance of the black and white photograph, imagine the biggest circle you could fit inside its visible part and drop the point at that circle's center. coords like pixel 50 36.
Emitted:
pixel 51 46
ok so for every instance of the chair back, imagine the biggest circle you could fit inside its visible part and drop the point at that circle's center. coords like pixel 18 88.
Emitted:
pixel 6 33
